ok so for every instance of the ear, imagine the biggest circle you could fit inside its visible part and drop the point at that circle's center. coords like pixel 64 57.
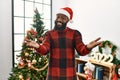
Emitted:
pixel 67 20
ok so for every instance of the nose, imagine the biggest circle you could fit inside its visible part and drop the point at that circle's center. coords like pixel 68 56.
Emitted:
pixel 59 19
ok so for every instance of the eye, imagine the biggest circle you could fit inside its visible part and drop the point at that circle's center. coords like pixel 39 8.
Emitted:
pixel 63 18
pixel 57 17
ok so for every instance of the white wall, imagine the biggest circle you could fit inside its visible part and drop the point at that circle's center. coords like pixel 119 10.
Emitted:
pixel 5 39
pixel 96 18
pixel 93 18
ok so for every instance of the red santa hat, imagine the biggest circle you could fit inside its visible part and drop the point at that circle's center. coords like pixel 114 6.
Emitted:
pixel 66 11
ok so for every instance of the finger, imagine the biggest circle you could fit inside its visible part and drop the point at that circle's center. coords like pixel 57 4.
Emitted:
pixel 28 44
pixel 27 40
pixel 98 43
pixel 101 42
pixel 97 39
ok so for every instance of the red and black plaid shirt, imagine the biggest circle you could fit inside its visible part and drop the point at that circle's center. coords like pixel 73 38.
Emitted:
pixel 62 45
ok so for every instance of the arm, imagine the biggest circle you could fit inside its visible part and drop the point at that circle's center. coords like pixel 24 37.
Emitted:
pixel 94 43
pixel 45 46
pixel 81 47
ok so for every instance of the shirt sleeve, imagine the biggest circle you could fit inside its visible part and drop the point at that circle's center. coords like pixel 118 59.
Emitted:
pixel 80 47
pixel 45 46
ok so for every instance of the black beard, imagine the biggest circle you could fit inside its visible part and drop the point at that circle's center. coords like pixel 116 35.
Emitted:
pixel 62 27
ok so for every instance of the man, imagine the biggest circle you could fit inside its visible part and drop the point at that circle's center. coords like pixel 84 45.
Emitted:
pixel 62 42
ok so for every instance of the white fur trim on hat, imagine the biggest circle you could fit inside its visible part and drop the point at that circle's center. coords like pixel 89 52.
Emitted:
pixel 61 11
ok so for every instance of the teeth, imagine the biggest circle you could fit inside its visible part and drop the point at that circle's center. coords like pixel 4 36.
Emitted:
pixel 59 23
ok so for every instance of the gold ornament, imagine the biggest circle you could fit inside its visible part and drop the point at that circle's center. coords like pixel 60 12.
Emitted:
pixel 32 49
pixel 20 77
pixel 39 59
pixel 26 54
pixel 34 61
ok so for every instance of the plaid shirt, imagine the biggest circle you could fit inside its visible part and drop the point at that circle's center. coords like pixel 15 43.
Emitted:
pixel 62 45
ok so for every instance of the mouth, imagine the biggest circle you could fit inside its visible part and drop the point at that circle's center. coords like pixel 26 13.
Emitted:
pixel 59 23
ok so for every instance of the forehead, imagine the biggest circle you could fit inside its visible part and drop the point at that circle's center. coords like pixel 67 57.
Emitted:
pixel 62 15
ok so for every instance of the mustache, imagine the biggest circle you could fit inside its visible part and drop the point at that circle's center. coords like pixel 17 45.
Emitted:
pixel 58 22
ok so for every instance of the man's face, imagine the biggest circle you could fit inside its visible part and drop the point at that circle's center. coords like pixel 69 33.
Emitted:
pixel 61 20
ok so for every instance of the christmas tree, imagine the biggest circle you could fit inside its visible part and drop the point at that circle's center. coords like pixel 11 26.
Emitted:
pixel 31 65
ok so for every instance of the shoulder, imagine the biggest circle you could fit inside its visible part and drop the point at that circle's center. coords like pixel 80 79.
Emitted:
pixel 50 32
pixel 74 30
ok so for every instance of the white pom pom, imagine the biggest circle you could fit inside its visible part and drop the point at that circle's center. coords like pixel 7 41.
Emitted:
pixel 71 21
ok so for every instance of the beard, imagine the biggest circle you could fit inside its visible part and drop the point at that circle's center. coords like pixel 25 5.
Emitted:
pixel 59 25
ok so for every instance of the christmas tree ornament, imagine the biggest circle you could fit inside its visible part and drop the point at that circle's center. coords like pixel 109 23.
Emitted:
pixel 34 61
pixel 22 58
pixel 29 65
pixel 40 59
pixel 26 54
pixel 28 61
pixel 20 77
pixel 28 79
pixel 21 64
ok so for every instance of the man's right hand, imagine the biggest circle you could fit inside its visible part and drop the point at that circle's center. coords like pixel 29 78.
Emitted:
pixel 31 43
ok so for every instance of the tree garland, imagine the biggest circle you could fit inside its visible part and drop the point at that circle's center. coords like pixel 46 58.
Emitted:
pixel 113 47
pixel 40 69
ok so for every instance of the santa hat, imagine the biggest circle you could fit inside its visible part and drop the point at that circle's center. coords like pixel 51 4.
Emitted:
pixel 66 11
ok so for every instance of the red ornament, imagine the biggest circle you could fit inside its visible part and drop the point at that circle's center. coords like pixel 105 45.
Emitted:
pixel 21 64
pixel 32 32
pixel 22 58
pixel 28 79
